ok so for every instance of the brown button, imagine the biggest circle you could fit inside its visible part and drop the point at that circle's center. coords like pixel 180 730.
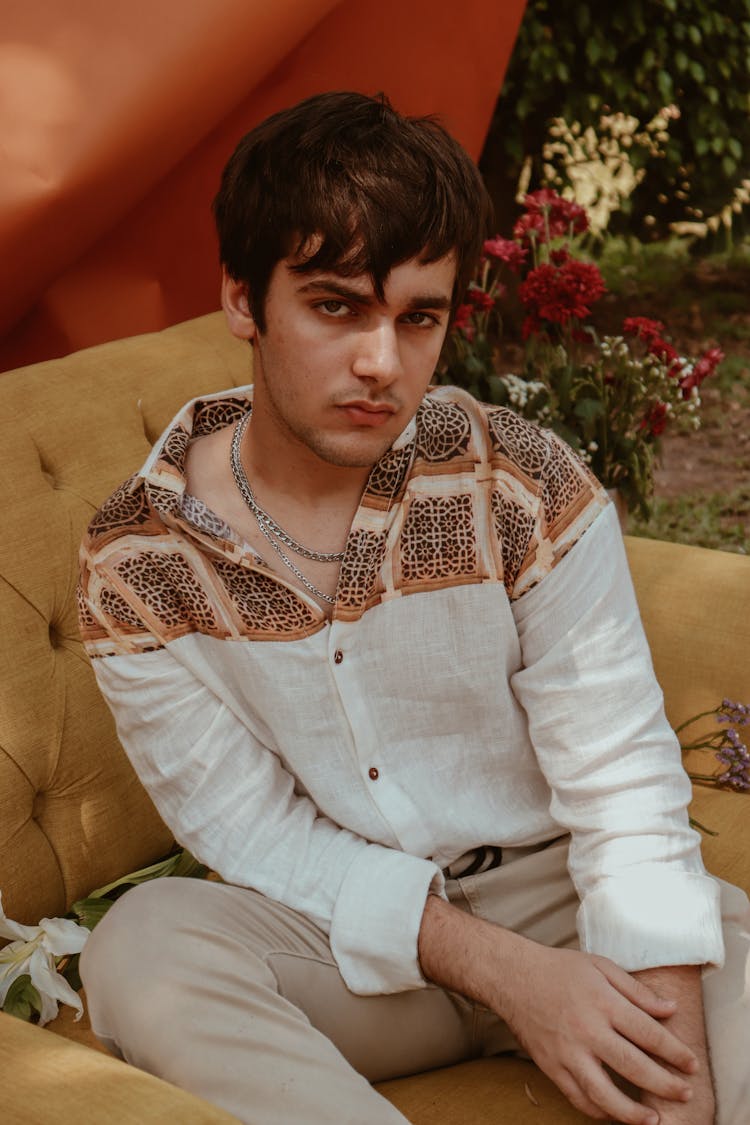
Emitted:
pixel 374 774
pixel 338 656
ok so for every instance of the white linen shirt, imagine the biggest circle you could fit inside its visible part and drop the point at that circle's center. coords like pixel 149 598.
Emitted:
pixel 484 680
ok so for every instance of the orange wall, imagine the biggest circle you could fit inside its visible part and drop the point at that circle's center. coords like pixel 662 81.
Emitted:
pixel 116 124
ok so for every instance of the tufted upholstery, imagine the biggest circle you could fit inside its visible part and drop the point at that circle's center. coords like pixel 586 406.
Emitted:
pixel 71 811
pixel 72 814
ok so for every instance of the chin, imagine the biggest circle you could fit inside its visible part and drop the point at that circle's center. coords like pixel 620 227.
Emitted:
pixel 354 455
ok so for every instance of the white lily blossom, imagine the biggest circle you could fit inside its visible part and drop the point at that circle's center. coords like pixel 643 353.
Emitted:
pixel 33 950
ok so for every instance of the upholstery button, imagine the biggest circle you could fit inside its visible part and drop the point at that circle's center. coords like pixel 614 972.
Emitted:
pixel 338 656
pixel 374 773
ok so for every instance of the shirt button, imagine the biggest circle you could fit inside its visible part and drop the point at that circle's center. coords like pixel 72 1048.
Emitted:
pixel 373 773
pixel 338 656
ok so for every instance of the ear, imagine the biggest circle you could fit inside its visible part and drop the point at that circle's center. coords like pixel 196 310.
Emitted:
pixel 236 306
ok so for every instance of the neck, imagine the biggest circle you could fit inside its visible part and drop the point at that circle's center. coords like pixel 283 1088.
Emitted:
pixel 282 465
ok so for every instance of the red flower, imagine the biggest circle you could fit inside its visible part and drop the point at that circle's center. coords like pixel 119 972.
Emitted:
pixel 650 331
pixel 531 227
pixel 656 419
pixel 481 300
pixel 546 211
pixel 543 198
pixel 643 327
pixel 707 364
pixel 505 250
pixel 463 317
pixel 704 367
pixel 668 355
pixel 560 293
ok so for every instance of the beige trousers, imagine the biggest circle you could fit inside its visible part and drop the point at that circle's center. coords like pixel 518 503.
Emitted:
pixel 232 996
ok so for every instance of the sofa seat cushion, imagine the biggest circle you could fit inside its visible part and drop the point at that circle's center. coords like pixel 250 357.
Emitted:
pixel 482 1092
pixel 62 1081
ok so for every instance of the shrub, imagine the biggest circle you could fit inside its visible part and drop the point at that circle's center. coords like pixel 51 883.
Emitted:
pixel 577 60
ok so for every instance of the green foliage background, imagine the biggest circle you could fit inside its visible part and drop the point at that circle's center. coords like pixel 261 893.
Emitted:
pixel 579 58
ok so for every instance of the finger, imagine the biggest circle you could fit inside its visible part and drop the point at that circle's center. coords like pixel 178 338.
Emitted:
pixel 651 1036
pixel 644 1072
pixel 568 1086
pixel 636 991
pixel 593 1092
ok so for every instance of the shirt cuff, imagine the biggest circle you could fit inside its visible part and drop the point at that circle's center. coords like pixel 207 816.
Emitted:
pixel 376 920
pixel 651 917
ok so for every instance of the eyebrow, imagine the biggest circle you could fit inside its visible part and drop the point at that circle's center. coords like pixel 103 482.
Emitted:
pixel 349 293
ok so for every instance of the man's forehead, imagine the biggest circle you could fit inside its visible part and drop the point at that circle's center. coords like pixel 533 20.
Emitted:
pixel 435 277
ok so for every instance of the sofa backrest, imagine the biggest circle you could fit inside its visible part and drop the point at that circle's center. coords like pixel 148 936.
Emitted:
pixel 73 816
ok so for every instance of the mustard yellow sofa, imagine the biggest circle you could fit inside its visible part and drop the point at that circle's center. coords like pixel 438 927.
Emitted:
pixel 72 814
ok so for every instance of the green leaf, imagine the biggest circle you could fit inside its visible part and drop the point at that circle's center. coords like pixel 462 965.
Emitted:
pixel 728 165
pixel 155 871
pixel 664 83
pixel 498 391
pixel 588 409
pixel 564 431
pixel 22 999
pixel 188 867
pixel 90 911
pixel 593 51
pixel 583 18
pixel 649 58
pixel 71 973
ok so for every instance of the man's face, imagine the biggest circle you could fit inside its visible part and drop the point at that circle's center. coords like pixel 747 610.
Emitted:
pixel 337 372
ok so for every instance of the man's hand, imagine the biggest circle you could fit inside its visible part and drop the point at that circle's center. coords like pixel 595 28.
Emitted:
pixel 573 1013
pixel 683 984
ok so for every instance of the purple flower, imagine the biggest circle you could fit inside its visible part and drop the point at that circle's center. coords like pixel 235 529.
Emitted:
pixel 731 712
pixel 734 754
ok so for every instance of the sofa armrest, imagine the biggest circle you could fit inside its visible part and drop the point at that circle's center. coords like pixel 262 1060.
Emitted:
pixel 49 1079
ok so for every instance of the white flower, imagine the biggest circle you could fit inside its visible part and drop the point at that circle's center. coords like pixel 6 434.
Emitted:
pixel 34 952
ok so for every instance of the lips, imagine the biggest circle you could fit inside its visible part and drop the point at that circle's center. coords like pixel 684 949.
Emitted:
pixel 368 413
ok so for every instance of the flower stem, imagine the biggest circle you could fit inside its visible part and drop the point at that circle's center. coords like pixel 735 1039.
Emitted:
pixel 695 718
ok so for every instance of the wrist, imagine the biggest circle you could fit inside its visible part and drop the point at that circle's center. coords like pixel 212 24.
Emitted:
pixel 467 954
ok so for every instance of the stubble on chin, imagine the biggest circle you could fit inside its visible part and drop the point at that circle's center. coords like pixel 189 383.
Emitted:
pixel 337 454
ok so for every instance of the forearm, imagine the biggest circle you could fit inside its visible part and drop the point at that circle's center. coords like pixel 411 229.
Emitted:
pixel 466 954
pixel 682 983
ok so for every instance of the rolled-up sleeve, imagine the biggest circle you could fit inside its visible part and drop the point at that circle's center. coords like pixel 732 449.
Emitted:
pixel 597 723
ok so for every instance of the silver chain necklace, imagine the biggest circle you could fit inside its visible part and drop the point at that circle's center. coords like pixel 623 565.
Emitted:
pixel 262 516
pixel 268 525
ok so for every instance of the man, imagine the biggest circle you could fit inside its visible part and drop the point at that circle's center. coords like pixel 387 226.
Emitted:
pixel 375 656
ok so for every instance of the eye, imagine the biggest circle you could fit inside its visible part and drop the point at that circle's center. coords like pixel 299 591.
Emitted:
pixel 422 319
pixel 334 308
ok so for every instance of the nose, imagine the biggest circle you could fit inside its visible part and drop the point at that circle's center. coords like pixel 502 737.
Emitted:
pixel 378 354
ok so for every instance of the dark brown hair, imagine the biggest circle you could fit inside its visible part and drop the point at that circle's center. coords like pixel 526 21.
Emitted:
pixel 375 187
